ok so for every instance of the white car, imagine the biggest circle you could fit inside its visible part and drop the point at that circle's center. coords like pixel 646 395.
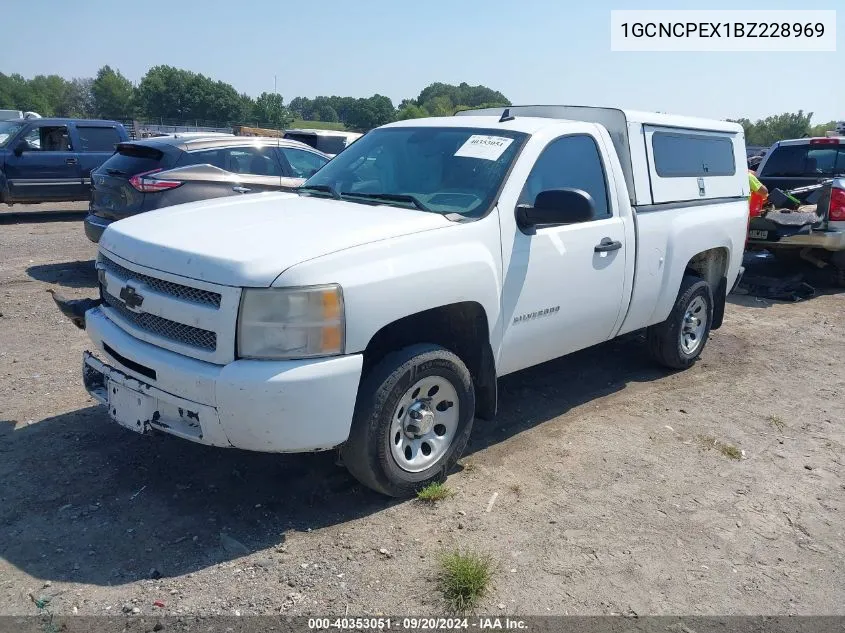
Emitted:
pixel 6 115
pixel 374 309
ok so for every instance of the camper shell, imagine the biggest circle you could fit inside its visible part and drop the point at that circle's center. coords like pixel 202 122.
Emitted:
pixel 665 158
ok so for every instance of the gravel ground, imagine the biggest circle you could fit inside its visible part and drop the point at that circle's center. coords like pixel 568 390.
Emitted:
pixel 604 486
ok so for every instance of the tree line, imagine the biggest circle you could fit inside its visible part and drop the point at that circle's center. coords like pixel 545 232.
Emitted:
pixel 176 94
pixel 764 132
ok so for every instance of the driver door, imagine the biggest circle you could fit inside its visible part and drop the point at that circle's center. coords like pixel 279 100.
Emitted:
pixel 48 167
pixel 560 294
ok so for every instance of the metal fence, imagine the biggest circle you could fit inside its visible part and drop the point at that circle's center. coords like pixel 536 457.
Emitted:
pixel 142 128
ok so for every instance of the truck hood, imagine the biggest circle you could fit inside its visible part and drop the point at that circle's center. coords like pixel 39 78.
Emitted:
pixel 250 240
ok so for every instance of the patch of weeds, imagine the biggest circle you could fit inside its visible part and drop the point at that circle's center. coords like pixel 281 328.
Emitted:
pixel 464 577
pixel 46 616
pixel 435 491
pixel 777 422
pixel 728 450
pixel 468 466
pixel 706 441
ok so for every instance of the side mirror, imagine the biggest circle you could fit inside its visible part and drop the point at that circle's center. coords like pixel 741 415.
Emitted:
pixel 21 147
pixel 556 206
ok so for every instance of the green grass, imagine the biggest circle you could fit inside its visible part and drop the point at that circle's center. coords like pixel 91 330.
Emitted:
pixel 464 577
pixel 777 422
pixel 318 125
pixel 728 450
pixel 435 491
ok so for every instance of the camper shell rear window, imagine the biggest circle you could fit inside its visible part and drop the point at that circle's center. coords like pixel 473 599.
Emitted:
pixel 684 155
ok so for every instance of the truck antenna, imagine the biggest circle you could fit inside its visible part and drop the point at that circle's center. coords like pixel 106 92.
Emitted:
pixel 506 116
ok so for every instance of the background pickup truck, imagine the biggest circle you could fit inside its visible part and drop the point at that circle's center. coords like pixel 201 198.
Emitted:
pixel 818 236
pixel 50 160
pixel 374 309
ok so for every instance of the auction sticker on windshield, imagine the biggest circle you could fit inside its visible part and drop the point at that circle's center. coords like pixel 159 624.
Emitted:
pixel 482 146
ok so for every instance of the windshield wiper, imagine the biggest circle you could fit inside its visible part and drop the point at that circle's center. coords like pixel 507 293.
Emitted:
pixel 391 197
pixel 322 189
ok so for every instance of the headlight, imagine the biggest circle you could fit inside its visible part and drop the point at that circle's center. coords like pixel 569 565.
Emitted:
pixel 281 323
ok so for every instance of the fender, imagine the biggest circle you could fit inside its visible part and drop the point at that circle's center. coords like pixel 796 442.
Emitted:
pixel 385 281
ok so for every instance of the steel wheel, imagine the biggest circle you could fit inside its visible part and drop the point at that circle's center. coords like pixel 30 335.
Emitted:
pixel 424 423
pixel 694 325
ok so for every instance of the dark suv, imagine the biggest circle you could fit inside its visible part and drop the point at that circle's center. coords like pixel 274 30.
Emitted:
pixel 159 172
pixel 50 160
pixel 802 161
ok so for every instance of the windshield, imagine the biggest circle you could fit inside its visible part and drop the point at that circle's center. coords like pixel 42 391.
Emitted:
pixel 7 130
pixel 805 160
pixel 440 169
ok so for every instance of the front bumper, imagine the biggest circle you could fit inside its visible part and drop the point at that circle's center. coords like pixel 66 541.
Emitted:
pixel 267 406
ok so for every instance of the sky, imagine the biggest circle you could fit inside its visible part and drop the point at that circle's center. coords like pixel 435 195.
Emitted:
pixel 533 51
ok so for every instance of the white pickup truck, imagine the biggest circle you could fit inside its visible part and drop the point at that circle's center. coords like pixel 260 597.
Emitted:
pixel 375 309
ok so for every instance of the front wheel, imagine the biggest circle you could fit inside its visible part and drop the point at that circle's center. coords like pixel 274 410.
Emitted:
pixel 412 420
pixel 679 340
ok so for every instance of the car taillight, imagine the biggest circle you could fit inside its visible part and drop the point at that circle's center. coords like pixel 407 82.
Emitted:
pixel 836 212
pixel 142 182
pixel 824 141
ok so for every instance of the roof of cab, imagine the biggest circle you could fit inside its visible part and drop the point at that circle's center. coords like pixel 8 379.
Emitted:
pixel 527 125
pixel 812 140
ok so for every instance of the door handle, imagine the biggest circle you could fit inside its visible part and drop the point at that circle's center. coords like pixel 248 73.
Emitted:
pixel 607 245
pixel 240 189
pixel 70 161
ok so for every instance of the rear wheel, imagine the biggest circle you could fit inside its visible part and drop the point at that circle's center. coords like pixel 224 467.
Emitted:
pixel 838 262
pixel 412 420
pixel 679 340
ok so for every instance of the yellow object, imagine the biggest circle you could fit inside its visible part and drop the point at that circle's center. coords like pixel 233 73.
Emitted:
pixel 754 182
pixel 331 304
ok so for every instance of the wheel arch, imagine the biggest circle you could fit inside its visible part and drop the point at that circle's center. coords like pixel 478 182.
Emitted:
pixel 462 328
pixel 711 265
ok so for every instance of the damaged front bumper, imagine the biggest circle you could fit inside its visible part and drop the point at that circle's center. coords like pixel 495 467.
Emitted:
pixel 267 406
pixel 142 408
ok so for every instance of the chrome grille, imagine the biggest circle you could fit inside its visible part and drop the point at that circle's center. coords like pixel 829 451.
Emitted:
pixel 178 332
pixel 178 291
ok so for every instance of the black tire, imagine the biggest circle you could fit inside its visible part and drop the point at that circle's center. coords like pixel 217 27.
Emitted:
pixel 664 339
pixel 837 260
pixel 367 453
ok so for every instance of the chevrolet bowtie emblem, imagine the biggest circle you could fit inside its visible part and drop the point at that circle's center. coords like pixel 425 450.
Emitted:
pixel 131 298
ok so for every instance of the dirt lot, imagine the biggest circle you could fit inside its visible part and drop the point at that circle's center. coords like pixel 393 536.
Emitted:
pixel 608 494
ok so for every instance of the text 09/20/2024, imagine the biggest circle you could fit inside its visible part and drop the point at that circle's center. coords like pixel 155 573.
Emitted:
pixel 481 623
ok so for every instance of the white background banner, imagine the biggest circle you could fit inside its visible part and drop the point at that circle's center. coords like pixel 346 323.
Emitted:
pixel 723 30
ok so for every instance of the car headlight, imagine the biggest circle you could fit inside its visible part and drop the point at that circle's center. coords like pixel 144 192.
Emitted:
pixel 284 323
